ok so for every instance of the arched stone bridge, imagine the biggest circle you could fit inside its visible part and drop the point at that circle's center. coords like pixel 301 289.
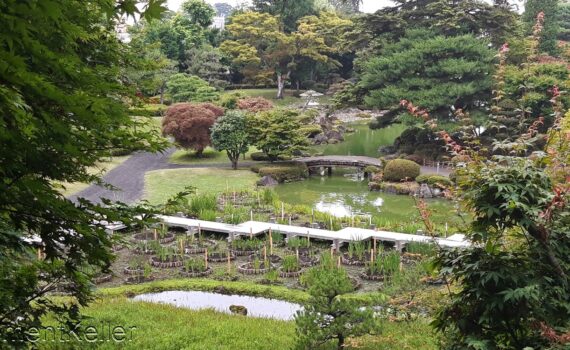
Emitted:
pixel 328 162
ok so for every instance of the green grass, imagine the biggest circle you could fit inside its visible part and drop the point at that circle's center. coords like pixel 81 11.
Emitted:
pixel 163 184
pixel 210 155
pixel 166 327
pixel 288 101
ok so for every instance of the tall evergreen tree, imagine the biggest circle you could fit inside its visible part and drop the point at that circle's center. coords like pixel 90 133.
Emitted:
pixel 551 27
pixel 437 72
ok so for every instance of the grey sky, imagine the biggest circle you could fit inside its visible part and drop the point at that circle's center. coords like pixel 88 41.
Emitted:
pixel 368 5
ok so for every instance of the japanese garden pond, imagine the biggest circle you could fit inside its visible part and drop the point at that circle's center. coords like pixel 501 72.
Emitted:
pixel 344 194
pixel 363 141
pixel 256 306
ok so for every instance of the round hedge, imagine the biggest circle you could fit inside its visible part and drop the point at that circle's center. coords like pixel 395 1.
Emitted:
pixel 401 169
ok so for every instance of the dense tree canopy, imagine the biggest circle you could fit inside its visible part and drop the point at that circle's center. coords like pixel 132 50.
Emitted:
pixel 189 124
pixel 276 132
pixel 263 50
pixel 289 11
pixel 457 73
pixel 230 133
pixel 61 112
pixel 189 88
pixel 549 32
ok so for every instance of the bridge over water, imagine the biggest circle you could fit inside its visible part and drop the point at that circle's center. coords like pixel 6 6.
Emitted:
pixel 329 162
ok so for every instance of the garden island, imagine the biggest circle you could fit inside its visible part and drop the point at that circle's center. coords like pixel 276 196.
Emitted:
pixel 304 174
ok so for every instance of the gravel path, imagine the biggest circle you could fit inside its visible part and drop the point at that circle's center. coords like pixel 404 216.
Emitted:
pixel 128 178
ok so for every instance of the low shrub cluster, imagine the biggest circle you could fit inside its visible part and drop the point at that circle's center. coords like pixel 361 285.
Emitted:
pixel 434 180
pixel 401 169
pixel 285 172
pixel 254 104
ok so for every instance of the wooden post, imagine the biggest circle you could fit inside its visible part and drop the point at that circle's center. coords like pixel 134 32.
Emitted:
pixel 308 238
pixel 332 252
pixel 250 232
pixel 39 253
pixel 206 258
pixel 374 243
pixel 338 262
pixel 289 220
pixel 282 211
pixel 251 215
pixel 270 242
pixel 297 253
pixel 264 253
pixel 369 220
pixel 229 263
pixel 446 228
pixel 371 256
pixel 155 235
pixel 312 215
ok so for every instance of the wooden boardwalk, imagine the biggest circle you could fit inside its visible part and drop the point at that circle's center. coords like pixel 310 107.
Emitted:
pixel 256 228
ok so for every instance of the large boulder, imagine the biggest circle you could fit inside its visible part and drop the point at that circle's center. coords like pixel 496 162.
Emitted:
pixel 334 135
pixel 267 181
pixel 238 310
pixel 320 139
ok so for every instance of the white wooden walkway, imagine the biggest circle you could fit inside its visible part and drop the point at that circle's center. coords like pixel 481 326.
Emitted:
pixel 256 228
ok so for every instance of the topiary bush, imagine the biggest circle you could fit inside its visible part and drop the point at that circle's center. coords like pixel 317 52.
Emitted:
pixel 259 157
pixel 433 180
pixel 401 169
pixel 285 172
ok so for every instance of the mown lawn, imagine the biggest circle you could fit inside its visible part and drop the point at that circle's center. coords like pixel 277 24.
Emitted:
pixel 161 185
pixel 210 155
pixel 288 101
pixel 165 327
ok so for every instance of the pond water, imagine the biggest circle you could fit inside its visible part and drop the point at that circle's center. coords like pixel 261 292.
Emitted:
pixel 256 307
pixel 364 141
pixel 344 195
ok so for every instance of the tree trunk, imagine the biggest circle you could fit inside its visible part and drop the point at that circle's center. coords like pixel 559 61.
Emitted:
pixel 235 163
pixel 280 86
pixel 340 342
pixel 199 152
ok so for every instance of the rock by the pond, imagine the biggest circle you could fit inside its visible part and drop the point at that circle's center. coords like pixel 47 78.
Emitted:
pixel 238 310
pixel 424 191
pixel 334 135
pixel 320 139
pixel 267 181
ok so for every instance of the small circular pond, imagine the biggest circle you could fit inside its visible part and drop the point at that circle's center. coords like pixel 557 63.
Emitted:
pixel 256 306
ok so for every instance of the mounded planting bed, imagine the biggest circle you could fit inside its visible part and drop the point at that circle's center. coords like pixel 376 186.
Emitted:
pixel 250 268
pixel 170 262
pixel 220 257
pixel 200 248
pixel 195 274
pixel 165 239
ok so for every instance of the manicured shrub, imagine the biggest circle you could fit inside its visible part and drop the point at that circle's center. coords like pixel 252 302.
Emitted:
pixel 433 180
pixel 401 169
pixel 230 101
pixel 371 169
pixel 311 130
pixel 415 158
pixel 255 104
pixel 285 172
pixel 259 157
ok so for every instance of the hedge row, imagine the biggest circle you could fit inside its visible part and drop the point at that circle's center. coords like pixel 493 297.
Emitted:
pixel 285 172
